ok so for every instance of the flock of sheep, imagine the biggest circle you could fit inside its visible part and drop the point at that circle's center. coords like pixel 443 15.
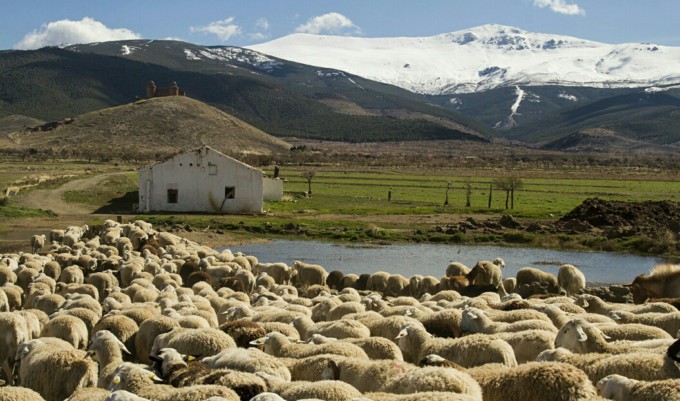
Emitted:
pixel 125 312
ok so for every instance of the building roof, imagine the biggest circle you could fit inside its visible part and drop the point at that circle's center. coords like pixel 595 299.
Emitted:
pixel 205 149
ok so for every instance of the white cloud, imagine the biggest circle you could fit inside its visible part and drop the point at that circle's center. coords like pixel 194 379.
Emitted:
pixel 328 23
pixel 223 29
pixel 66 31
pixel 262 23
pixel 560 7
pixel 258 36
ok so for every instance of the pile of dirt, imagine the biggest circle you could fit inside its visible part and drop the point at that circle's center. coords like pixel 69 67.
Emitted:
pixel 624 219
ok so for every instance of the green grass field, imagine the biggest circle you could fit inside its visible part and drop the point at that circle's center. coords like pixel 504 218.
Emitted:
pixel 367 193
pixel 343 202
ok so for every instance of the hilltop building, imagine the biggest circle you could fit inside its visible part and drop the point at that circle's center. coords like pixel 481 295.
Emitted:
pixel 207 181
pixel 154 91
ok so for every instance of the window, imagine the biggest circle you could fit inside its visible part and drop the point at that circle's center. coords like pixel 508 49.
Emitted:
pixel 212 169
pixel 229 192
pixel 173 195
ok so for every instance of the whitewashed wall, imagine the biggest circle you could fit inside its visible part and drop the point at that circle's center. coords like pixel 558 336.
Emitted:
pixel 200 178
pixel 273 189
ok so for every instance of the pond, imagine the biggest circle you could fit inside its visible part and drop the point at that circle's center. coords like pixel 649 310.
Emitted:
pixel 432 259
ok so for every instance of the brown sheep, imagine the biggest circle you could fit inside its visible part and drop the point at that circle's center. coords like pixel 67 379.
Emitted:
pixel 662 282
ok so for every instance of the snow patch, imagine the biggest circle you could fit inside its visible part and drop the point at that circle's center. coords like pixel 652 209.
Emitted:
pixel 352 81
pixel 656 89
pixel 190 55
pixel 126 50
pixel 566 96
pixel 520 96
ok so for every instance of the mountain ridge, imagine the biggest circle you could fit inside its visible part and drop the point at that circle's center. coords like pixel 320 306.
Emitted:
pixel 483 58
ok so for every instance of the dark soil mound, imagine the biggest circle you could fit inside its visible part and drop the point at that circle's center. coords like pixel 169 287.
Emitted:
pixel 626 218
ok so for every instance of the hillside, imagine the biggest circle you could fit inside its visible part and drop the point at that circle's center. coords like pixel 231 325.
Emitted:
pixel 278 97
pixel 148 129
pixel 651 117
pixel 17 122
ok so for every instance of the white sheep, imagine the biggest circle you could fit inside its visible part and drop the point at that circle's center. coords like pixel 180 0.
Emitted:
pixel 621 388
pixel 432 378
pixel 377 282
pixel 280 272
pixel 200 342
pixel 106 350
pixel 328 390
pixel 375 347
pixel 55 373
pixel 457 269
pixel 11 393
pixel 669 322
pixel 14 331
pixel 250 360
pixel 343 328
pixel 582 337
pixel 534 381
pixel 635 365
pixel 474 320
pixel 309 274
pixel 279 345
pixel 140 381
pixel 37 242
pixel 571 279
pixel 594 304
pixel 122 395
pixel 473 350
pixel 69 328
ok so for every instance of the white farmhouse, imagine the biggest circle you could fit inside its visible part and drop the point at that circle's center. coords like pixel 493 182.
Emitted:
pixel 205 180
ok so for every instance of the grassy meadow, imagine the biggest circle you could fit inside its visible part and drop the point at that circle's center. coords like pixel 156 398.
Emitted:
pixel 352 204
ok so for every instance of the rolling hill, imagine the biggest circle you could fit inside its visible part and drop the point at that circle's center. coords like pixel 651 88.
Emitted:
pixel 148 129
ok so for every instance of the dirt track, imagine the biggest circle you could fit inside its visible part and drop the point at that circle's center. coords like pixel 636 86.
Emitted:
pixel 51 199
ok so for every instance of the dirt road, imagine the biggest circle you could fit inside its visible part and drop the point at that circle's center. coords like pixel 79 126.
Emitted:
pixel 51 199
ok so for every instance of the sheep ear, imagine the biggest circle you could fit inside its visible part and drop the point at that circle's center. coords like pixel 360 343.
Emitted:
pixel 153 377
pixel 582 336
pixel 155 358
pixel 403 333
pixel 259 341
pixel 614 315
pixel 122 347
pixel 408 312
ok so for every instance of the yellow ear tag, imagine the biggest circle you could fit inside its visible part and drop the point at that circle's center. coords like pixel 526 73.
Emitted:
pixel 116 380
pixel 191 358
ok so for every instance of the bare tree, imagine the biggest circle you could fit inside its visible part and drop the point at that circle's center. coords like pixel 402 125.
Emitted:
pixel 490 193
pixel 468 193
pixel 309 175
pixel 448 187
pixel 509 184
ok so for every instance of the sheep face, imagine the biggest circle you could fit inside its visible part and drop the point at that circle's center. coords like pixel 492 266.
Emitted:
pixel 613 387
pixel 571 335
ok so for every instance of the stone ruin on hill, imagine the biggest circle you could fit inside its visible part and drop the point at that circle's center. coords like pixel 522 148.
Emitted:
pixel 154 91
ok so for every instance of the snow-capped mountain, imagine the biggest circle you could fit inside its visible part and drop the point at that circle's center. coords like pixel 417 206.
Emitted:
pixel 483 58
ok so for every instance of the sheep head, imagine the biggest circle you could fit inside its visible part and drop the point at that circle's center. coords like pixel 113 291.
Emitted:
pixel 614 387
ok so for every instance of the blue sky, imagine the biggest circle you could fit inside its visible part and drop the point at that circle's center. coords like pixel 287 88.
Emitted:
pixel 28 24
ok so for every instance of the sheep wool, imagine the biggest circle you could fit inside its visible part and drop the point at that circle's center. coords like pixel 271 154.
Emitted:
pixel 621 388
pixel 534 381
